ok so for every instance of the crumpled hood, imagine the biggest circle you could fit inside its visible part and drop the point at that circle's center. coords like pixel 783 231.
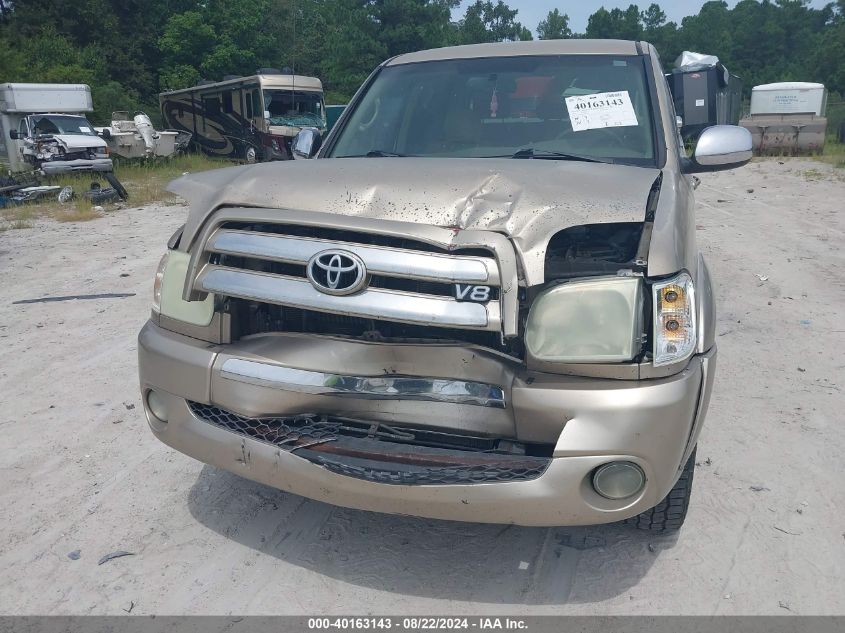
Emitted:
pixel 79 141
pixel 528 200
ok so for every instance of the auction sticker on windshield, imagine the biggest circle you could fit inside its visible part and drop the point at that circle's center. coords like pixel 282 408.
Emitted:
pixel 603 109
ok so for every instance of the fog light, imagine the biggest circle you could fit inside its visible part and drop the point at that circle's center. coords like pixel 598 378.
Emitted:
pixel 156 405
pixel 618 480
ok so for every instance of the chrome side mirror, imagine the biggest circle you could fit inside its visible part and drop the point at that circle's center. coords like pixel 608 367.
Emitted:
pixel 306 143
pixel 720 147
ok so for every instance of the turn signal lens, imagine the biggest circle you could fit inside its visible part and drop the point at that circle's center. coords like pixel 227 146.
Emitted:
pixel 162 264
pixel 674 319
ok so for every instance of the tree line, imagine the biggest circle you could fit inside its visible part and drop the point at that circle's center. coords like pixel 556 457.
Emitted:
pixel 130 50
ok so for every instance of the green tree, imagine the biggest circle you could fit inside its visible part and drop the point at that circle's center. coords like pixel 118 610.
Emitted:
pixel 615 24
pixel 653 17
pixel 488 22
pixel 554 27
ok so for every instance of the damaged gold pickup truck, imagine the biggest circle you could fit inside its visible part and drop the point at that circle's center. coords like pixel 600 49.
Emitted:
pixel 482 300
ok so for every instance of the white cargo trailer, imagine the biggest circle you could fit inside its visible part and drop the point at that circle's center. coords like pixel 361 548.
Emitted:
pixel 43 126
pixel 789 97
pixel 787 117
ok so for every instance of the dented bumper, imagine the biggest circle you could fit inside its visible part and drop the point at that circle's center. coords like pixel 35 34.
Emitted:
pixel 276 427
pixel 80 164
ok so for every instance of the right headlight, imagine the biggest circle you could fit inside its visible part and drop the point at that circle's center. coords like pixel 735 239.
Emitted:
pixel 674 319
pixel 159 278
pixel 587 321
pixel 167 292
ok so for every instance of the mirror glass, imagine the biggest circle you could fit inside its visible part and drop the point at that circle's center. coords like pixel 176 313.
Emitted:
pixel 723 146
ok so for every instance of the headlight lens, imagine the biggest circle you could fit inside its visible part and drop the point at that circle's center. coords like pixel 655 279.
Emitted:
pixel 586 321
pixel 674 319
pixel 159 278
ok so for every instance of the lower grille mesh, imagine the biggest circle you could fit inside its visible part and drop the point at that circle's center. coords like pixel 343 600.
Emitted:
pixel 376 453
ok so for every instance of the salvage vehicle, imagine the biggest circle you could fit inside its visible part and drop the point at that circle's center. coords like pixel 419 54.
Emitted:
pixel 482 301
pixel 251 118
pixel 47 130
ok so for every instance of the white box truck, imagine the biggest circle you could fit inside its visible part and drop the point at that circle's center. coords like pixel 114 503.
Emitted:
pixel 43 127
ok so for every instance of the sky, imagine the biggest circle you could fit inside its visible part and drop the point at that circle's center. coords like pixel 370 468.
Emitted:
pixel 532 11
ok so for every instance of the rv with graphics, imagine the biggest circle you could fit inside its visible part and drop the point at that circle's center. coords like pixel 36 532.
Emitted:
pixel 251 118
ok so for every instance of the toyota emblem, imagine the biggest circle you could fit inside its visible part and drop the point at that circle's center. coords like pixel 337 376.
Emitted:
pixel 336 272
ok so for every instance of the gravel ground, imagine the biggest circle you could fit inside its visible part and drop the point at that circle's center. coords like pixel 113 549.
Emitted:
pixel 83 477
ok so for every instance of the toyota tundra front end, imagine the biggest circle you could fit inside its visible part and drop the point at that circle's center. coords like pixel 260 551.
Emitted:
pixel 482 301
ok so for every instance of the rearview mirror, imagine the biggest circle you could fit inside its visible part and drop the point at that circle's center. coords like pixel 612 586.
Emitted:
pixel 307 143
pixel 720 147
pixel 13 134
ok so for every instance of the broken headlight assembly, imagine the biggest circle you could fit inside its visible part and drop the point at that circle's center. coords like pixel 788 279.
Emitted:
pixel 167 292
pixel 595 320
pixel 674 319
pixel 159 278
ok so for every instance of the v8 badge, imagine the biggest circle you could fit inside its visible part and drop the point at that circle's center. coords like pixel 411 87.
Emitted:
pixel 477 294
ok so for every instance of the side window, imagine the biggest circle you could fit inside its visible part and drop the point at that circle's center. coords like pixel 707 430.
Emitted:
pixel 22 129
pixel 227 102
pixel 256 104
pixel 249 112
pixel 211 105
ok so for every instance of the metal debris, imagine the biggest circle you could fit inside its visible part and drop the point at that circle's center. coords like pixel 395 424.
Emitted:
pixel 105 295
pixel 117 554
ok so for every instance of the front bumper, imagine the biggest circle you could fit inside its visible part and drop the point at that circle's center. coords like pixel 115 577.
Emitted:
pixel 590 421
pixel 80 164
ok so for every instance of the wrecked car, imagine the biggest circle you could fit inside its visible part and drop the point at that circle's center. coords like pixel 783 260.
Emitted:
pixel 482 301
pixel 60 143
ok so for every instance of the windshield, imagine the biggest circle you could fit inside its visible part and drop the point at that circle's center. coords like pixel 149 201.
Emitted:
pixel 62 125
pixel 591 106
pixel 294 107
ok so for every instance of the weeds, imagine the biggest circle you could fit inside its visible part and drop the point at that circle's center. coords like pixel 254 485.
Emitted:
pixel 812 174
pixel 834 153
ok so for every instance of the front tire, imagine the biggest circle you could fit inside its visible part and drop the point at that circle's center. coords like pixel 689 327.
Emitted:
pixel 669 514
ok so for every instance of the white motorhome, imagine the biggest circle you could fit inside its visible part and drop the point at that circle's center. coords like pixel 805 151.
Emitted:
pixel 43 127
pixel 251 118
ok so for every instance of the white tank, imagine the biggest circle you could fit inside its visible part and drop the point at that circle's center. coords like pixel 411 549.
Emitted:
pixel 789 97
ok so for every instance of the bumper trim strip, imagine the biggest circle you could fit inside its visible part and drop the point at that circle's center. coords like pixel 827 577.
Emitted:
pixel 367 387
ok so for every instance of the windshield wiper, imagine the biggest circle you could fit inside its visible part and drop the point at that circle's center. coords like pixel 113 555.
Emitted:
pixel 530 152
pixel 379 153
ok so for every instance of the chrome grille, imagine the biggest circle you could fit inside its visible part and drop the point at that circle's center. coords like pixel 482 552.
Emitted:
pixel 412 275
